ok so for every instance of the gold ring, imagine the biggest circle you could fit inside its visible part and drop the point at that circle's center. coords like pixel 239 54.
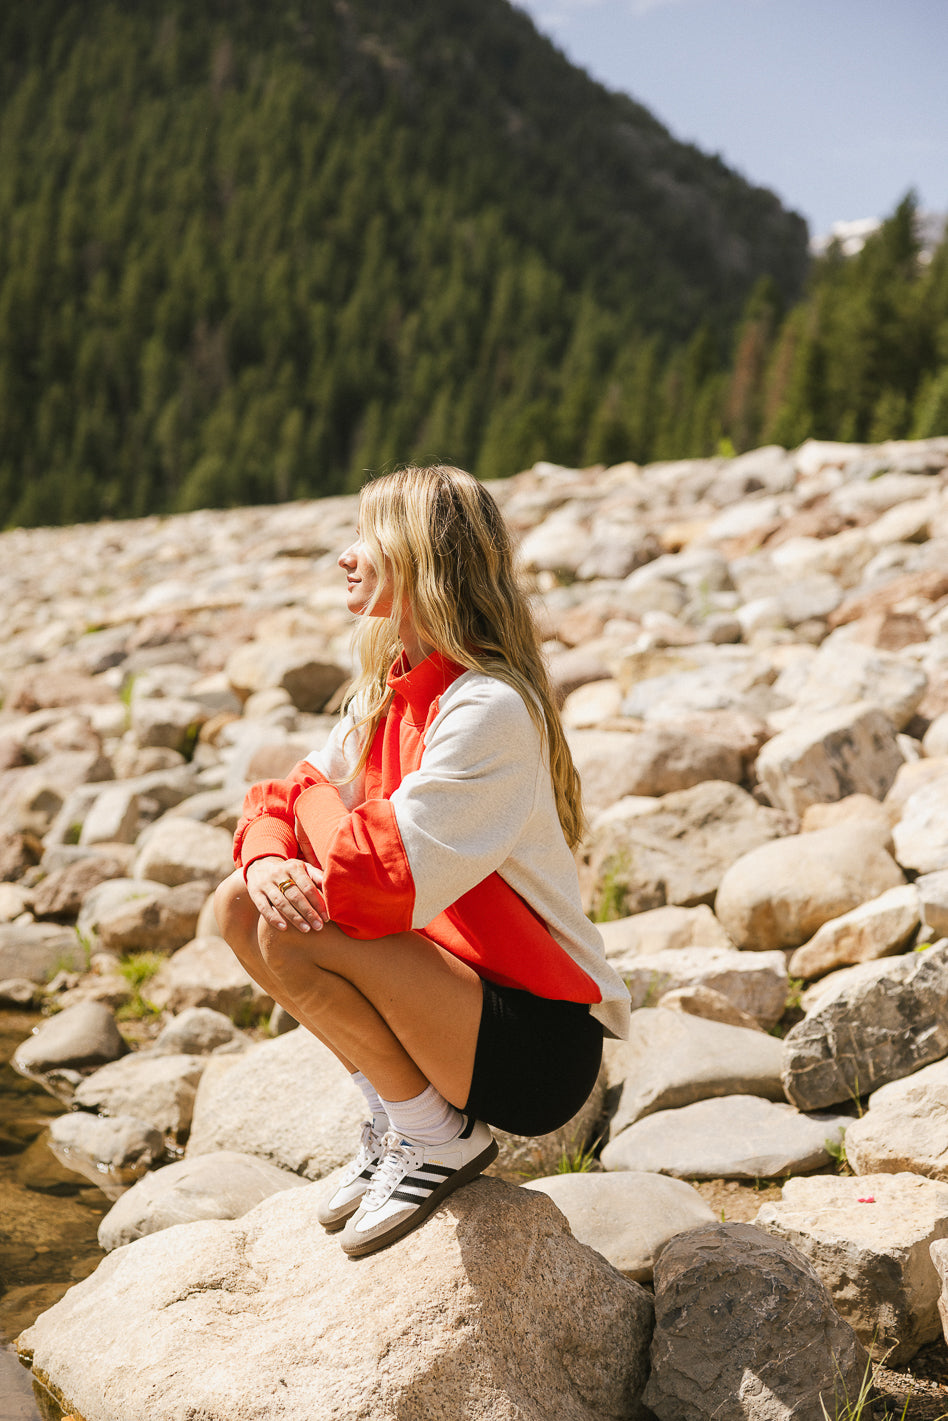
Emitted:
pixel 287 883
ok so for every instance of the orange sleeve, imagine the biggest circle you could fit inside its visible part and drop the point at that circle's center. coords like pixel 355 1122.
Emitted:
pixel 368 886
pixel 267 822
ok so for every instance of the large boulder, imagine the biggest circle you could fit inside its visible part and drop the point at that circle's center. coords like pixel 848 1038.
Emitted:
pixel 746 1331
pixel 828 756
pixel 225 1185
pixel 180 850
pixel 205 973
pixel 869 1240
pixel 779 894
pixel 491 1309
pixel 905 1127
pixel 677 851
pixel 159 1089
pixel 756 982
pixel 628 1217
pixel 870 1031
pixel 730 1137
pixel 81 1036
pixel 876 929
pixel 672 1059
pixel 134 915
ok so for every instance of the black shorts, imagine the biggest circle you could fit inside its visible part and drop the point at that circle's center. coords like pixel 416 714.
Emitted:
pixel 536 1061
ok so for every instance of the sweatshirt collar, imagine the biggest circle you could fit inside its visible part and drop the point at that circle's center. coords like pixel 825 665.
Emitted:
pixel 419 686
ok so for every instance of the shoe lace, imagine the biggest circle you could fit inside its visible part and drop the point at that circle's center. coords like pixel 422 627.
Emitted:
pixel 368 1150
pixel 397 1160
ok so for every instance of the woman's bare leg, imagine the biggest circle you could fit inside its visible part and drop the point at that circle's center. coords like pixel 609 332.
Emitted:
pixel 400 1009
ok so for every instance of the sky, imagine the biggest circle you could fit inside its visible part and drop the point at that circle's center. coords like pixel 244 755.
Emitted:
pixel 838 106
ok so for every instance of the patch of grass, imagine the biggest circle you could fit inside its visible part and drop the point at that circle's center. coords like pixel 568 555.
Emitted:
pixel 138 968
pixel 860 1407
pixel 836 1149
pixel 578 1160
pixel 613 891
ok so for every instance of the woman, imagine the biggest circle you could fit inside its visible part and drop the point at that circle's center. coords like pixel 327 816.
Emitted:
pixel 409 893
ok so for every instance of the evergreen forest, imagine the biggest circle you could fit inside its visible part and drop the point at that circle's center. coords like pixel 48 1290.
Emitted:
pixel 252 249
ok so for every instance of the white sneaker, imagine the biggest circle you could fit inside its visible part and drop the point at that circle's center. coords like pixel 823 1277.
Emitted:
pixel 347 1194
pixel 411 1180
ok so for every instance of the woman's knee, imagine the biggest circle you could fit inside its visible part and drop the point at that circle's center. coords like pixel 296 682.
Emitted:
pixel 234 910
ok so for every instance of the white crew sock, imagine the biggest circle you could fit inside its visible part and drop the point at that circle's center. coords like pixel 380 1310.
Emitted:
pixel 380 1121
pixel 427 1118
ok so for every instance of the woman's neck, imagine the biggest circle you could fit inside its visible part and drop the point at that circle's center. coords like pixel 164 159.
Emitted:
pixel 416 649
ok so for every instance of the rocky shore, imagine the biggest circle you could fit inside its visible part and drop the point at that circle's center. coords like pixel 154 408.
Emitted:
pixel 752 655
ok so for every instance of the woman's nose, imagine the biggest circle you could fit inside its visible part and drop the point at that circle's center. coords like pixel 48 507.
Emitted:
pixel 346 559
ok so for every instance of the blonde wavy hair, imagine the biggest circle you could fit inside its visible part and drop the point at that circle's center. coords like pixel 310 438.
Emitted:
pixel 442 540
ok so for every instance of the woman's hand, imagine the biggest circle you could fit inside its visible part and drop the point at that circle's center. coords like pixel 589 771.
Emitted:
pixel 286 893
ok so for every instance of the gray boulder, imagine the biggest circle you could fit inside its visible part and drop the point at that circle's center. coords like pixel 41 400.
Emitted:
pixel 730 1137
pixel 627 1217
pixel 225 1185
pixel 828 756
pixel 746 1331
pixel 153 1087
pixel 81 1036
pixel 870 1032
pixel 205 973
pixel 673 1059
pixel 675 852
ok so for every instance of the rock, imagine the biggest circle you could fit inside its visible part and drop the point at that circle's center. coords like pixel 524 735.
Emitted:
pixel 179 850
pixel 225 1185
pixel 731 678
pixel 663 930
pixel 152 1087
pixel 849 750
pixel 876 929
pixel 114 1150
pixel 677 852
pixel 61 894
pixel 869 1240
pixel 627 1217
pixel 592 703
pixel 287 1101
pixel 744 1328
pixel 657 760
pixel 755 982
pixel 113 817
pixel 855 808
pixel 198 1031
pixel 939 1257
pixel 671 1059
pixel 223 1316
pixel 731 1137
pixel 18 992
pixel 843 672
pixel 875 1032
pixel 920 835
pixel 932 889
pixel 576 667
pixel 18 852
pixel 80 1036
pixel 779 894
pixel 205 973
pixel 709 1004
pixel 132 915
pixel 38 950
pixel 169 722
pixel 904 1127
pixel 297 665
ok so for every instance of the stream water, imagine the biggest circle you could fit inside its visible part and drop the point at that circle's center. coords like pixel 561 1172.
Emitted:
pixel 48 1222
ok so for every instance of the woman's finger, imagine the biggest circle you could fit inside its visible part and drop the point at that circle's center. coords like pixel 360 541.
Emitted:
pixel 298 901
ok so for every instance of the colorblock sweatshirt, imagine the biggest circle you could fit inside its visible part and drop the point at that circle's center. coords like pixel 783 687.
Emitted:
pixel 451 831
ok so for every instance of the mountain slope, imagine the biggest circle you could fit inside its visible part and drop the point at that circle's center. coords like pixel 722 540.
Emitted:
pixel 249 250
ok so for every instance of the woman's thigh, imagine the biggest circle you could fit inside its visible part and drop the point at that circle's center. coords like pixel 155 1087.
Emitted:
pixel 430 1001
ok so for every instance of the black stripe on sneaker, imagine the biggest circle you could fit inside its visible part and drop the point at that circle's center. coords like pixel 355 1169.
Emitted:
pixel 465 1133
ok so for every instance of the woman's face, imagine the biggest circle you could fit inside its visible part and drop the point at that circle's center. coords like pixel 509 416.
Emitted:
pixel 362 581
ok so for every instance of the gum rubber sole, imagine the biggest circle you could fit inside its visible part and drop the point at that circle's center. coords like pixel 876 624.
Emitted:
pixel 398 1228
